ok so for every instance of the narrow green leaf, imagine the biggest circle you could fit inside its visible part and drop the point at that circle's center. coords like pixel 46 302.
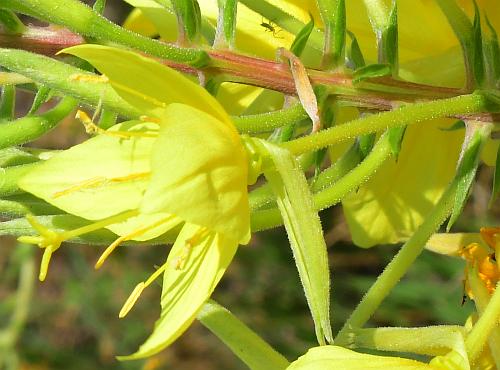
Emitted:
pixel 491 50
pixel 188 19
pixel 371 71
pixel 226 24
pixel 477 48
pixel 389 44
pixel 7 102
pixel 476 135
pixel 354 55
pixel 365 144
pixel 11 22
pixel 107 119
pixel 9 177
pixel 42 95
pixel 333 14
pixel 304 232
pixel 495 189
pixel 243 342
pixel 300 41
pixel 99 6
pixel 396 135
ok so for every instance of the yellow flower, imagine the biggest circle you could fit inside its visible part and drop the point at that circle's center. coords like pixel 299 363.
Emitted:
pixel 183 166
pixel 339 358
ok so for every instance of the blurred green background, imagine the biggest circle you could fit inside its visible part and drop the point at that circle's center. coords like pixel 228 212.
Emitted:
pixel 73 316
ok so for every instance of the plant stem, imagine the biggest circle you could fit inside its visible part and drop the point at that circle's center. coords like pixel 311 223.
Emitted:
pixel 269 218
pixel 266 122
pixel 28 128
pixel 487 328
pixel 398 266
pixel 406 115
pixel 243 342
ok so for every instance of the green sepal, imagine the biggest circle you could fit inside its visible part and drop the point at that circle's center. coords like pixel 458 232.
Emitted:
pixel 300 41
pixel 42 95
pixel 467 169
pixel 20 205
pixel 354 55
pixel 495 188
pixel 8 102
pixel 371 71
pixel 396 135
pixel 458 125
pixel 99 6
pixel 304 230
pixel 11 22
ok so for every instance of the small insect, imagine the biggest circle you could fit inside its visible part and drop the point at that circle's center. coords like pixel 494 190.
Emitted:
pixel 270 26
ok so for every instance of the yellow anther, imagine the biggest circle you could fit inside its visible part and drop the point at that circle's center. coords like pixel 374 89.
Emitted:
pixel 48 240
pixel 132 235
pixel 101 181
pixel 83 77
pixel 130 302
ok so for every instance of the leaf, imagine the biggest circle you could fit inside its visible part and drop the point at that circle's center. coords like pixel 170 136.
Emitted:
pixel 304 232
pixel 389 43
pixel 371 71
pixel 199 173
pixel 396 135
pixel 365 144
pixel 243 342
pixel 495 189
pixel 188 17
pixel 300 41
pixel 187 288
pixel 467 168
pixel 354 55
pixel 491 49
pixel 145 83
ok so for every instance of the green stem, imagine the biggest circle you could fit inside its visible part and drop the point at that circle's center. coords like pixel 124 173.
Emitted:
pixel 9 177
pixel 406 115
pixel 82 19
pixel 266 122
pixel 398 266
pixel 487 327
pixel 269 218
pixel 10 335
pixel 28 128
pixel 243 342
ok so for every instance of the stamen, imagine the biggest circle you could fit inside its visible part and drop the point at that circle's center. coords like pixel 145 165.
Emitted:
pixel 130 302
pixel 82 77
pixel 130 236
pixel 180 261
pixel 92 129
pixel 100 181
pixel 51 240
